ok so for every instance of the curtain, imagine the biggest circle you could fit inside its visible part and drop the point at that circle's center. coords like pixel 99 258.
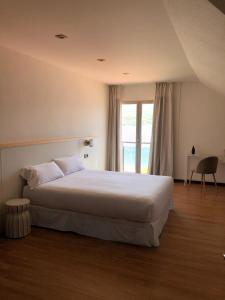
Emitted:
pixel 113 140
pixel 161 154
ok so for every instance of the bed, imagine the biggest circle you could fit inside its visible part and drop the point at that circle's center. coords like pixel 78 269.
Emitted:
pixel 124 207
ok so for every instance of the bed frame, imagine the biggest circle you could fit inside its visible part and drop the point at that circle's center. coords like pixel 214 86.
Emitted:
pixel 15 156
pixel 137 233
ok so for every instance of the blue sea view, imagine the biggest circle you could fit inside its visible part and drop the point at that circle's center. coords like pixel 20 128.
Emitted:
pixel 129 154
pixel 131 126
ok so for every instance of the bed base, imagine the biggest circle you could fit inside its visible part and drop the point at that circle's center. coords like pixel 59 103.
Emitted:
pixel 137 233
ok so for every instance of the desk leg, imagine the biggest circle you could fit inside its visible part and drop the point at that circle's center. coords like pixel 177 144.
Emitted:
pixel 187 171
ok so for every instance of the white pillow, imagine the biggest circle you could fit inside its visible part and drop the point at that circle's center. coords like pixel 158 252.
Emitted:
pixel 39 174
pixel 69 164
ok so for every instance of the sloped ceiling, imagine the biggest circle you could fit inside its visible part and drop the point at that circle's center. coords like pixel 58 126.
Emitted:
pixel 220 4
pixel 153 40
pixel 134 36
pixel 200 27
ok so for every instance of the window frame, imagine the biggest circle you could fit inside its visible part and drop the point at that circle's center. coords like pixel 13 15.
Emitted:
pixel 138 133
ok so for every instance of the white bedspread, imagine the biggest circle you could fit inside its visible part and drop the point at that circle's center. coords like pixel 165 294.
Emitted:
pixel 124 196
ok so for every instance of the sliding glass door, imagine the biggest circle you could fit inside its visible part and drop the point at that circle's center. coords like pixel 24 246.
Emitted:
pixel 136 129
pixel 129 141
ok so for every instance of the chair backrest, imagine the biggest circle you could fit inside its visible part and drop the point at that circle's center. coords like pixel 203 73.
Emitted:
pixel 207 165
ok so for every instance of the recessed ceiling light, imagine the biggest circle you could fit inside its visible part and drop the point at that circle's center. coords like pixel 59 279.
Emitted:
pixel 126 73
pixel 101 59
pixel 61 36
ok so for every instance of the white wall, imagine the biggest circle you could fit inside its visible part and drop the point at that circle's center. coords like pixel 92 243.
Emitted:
pixel 138 92
pixel 38 100
pixel 199 121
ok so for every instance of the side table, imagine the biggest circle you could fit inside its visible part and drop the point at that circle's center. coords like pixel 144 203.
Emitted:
pixel 17 218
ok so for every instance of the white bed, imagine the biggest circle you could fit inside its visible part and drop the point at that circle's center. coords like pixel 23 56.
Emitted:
pixel 123 207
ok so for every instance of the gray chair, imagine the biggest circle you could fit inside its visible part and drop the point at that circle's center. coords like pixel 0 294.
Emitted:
pixel 207 165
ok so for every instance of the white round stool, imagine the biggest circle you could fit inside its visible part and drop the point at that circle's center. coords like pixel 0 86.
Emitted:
pixel 17 218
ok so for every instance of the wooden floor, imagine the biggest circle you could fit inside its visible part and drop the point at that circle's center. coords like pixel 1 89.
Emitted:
pixel 187 265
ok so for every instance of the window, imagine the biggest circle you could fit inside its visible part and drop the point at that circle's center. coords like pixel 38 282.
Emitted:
pixel 136 130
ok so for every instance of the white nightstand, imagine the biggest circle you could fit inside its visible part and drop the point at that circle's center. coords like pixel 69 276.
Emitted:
pixel 17 218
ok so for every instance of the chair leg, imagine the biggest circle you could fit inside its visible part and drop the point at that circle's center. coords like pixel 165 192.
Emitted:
pixel 192 172
pixel 214 177
pixel 204 180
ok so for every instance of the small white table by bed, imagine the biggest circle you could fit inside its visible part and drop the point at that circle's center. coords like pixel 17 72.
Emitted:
pixel 17 218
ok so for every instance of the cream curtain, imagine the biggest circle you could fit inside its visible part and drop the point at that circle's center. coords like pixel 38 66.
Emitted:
pixel 113 140
pixel 161 154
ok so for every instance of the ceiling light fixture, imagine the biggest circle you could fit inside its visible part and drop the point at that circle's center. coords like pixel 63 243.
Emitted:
pixel 101 59
pixel 61 36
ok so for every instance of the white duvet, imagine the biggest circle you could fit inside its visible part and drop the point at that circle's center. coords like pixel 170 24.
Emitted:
pixel 124 196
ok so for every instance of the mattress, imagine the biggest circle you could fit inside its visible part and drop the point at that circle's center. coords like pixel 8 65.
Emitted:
pixel 123 196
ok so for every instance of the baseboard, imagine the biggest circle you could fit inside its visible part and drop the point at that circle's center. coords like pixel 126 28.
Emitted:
pixel 199 182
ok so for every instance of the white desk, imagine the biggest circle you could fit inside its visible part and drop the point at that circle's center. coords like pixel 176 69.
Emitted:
pixel 192 161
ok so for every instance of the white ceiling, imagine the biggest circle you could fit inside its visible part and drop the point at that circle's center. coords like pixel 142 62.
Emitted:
pixel 134 36
pixel 200 27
